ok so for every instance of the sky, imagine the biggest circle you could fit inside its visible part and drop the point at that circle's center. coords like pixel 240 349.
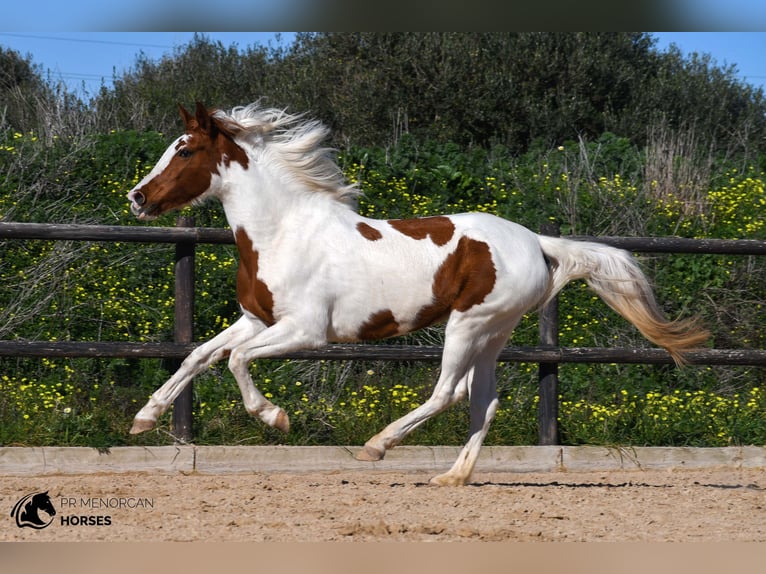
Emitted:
pixel 83 60
pixel 745 50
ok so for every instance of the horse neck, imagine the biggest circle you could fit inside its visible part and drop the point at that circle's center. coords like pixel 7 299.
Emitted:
pixel 264 204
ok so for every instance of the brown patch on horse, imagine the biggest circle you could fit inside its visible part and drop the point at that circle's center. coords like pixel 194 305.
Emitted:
pixel 379 325
pixel 463 280
pixel 439 228
pixel 253 294
pixel 368 231
pixel 206 145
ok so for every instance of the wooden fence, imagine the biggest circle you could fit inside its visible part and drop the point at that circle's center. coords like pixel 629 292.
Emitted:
pixel 548 354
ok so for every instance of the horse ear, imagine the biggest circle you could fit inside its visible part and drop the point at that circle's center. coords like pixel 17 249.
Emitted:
pixel 203 117
pixel 185 116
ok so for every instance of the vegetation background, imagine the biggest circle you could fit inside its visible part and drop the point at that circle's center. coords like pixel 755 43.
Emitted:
pixel 598 132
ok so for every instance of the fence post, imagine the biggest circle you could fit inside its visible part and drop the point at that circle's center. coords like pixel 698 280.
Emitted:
pixel 183 331
pixel 548 373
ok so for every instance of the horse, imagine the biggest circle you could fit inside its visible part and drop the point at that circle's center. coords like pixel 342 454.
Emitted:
pixel 313 271
pixel 26 510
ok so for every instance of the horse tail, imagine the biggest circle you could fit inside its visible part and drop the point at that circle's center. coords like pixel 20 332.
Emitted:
pixel 616 277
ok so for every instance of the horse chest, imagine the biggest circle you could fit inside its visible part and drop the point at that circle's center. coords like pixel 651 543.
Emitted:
pixel 253 293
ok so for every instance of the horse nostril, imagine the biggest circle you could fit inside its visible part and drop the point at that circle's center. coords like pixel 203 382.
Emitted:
pixel 139 198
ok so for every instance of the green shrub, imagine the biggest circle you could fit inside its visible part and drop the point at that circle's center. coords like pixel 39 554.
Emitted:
pixel 124 292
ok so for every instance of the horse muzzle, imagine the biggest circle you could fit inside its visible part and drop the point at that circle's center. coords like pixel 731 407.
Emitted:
pixel 137 197
pixel 139 207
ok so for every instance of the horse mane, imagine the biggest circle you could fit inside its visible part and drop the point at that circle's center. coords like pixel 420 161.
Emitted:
pixel 294 142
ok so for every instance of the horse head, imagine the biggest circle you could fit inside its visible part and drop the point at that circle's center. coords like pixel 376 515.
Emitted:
pixel 191 167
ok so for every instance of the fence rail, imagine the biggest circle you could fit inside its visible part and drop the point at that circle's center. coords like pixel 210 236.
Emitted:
pixel 376 352
pixel 185 236
pixel 124 233
pixel 128 233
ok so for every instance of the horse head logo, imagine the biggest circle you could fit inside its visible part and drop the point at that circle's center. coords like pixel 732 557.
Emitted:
pixel 26 511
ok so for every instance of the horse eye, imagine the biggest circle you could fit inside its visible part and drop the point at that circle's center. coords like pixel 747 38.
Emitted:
pixel 184 153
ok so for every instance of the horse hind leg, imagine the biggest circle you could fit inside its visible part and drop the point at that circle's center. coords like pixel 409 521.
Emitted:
pixel 451 387
pixel 484 404
pixel 449 390
pixel 483 398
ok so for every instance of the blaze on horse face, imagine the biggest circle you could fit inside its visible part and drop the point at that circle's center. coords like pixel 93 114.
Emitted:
pixel 188 170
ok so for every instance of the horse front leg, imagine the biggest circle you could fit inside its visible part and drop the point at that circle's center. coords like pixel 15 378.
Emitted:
pixel 282 337
pixel 198 360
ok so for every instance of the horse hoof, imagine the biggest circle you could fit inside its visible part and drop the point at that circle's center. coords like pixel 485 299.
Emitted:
pixel 282 422
pixel 447 480
pixel 141 425
pixel 370 454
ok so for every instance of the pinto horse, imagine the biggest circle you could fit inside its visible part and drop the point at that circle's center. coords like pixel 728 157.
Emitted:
pixel 313 271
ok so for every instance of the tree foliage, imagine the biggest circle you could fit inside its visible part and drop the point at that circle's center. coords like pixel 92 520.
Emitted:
pixel 479 89
pixel 21 83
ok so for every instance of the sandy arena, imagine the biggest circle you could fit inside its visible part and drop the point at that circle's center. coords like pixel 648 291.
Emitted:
pixel 677 505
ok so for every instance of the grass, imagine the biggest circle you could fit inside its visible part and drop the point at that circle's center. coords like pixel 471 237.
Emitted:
pixel 347 402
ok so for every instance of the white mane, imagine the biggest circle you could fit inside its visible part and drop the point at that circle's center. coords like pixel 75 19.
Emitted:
pixel 292 141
